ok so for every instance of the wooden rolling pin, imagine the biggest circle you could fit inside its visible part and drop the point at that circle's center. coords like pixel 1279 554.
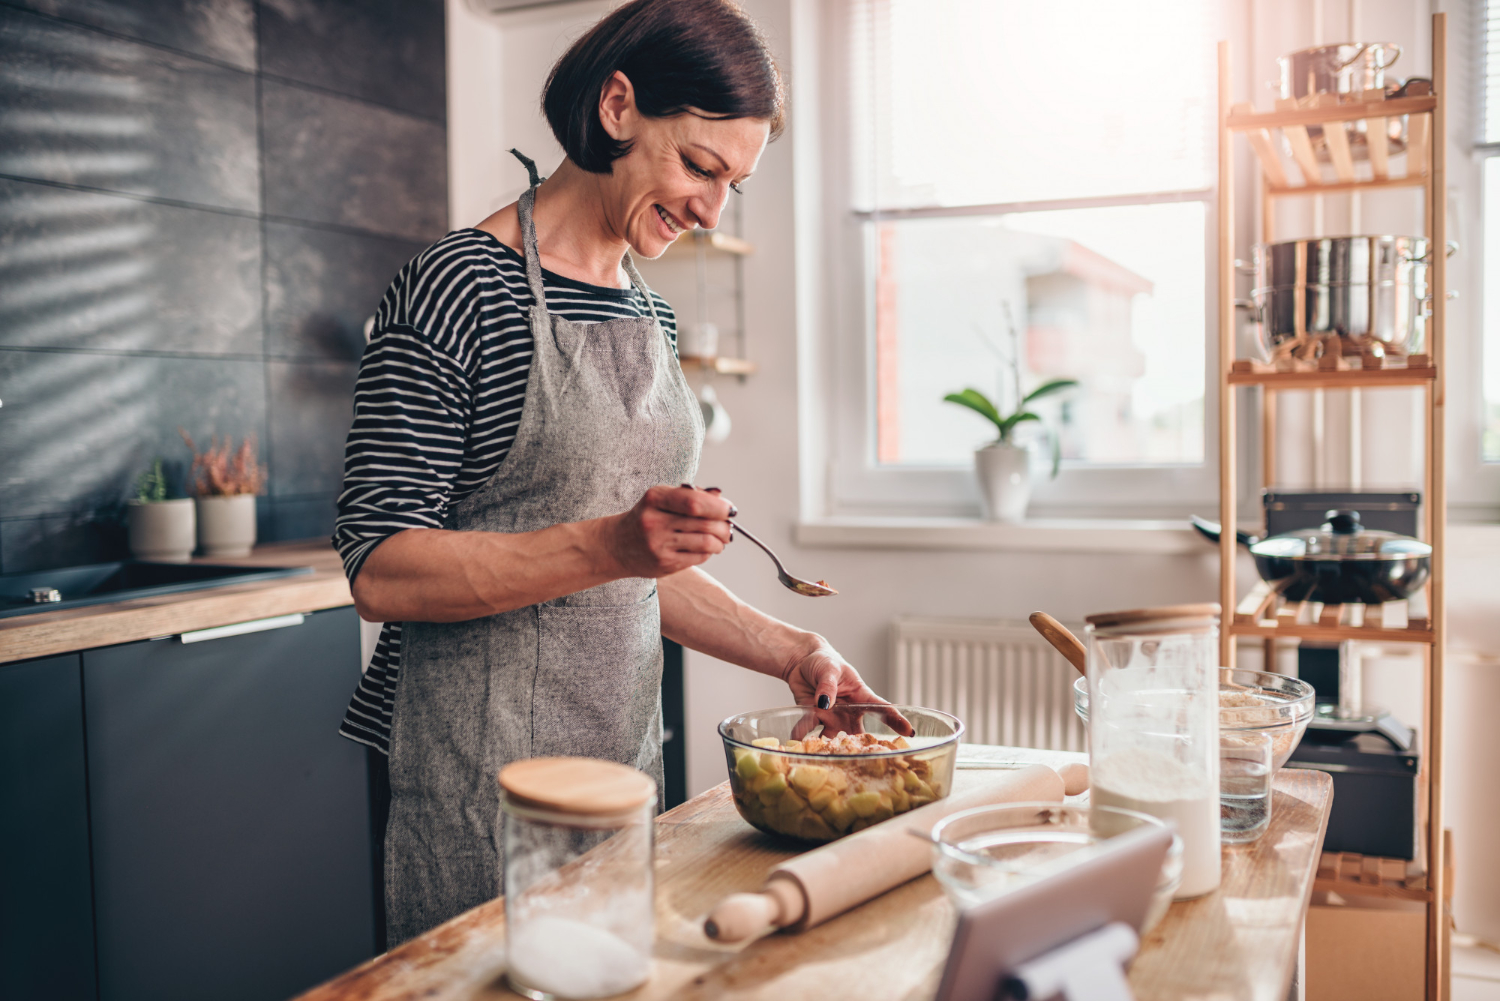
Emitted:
pixel 827 881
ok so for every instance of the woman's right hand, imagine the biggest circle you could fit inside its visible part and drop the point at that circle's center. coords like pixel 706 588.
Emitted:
pixel 669 530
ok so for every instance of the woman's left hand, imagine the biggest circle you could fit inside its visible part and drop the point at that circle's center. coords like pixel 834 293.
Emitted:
pixel 822 678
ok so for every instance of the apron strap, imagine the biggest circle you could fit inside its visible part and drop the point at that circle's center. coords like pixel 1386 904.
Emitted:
pixel 528 233
pixel 640 286
pixel 534 258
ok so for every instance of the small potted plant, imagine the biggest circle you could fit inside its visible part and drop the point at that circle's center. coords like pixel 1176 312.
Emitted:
pixel 159 528
pixel 226 481
pixel 1004 466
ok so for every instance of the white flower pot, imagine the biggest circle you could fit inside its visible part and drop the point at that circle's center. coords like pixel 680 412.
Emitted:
pixel 163 531
pixel 1004 473
pixel 226 525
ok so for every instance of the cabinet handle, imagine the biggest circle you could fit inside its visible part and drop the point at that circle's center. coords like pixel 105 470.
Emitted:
pixel 241 628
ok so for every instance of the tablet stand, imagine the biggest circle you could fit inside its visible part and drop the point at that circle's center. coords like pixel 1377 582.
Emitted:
pixel 1089 968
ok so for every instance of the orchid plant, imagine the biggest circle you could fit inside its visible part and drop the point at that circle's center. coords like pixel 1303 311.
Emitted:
pixel 1006 423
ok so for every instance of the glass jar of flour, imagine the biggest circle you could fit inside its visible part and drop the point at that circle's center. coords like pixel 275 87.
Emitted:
pixel 1154 725
pixel 579 900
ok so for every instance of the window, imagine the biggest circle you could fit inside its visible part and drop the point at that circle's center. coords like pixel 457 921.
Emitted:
pixel 1489 148
pixel 1019 190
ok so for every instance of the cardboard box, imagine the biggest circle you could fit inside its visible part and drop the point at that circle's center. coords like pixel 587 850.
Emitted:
pixel 1366 949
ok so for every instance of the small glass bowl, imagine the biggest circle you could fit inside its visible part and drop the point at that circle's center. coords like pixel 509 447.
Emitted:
pixel 1273 704
pixel 1018 840
pixel 821 797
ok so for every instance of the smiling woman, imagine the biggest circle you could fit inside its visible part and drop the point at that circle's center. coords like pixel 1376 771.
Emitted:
pixel 512 508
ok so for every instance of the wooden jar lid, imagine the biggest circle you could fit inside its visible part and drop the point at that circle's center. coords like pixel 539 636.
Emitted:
pixel 1153 616
pixel 577 785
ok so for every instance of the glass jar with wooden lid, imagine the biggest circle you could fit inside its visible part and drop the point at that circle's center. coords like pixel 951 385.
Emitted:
pixel 1154 725
pixel 579 892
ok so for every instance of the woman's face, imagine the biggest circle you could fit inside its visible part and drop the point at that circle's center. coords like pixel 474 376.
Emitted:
pixel 679 172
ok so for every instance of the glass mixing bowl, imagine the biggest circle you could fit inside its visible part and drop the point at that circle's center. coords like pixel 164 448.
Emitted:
pixel 1250 701
pixel 782 788
pixel 980 853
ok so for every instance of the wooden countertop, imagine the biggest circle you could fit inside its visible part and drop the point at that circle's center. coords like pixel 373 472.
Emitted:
pixel 1239 942
pixel 44 634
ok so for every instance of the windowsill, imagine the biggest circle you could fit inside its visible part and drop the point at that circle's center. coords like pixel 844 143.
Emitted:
pixel 1058 535
pixel 1043 535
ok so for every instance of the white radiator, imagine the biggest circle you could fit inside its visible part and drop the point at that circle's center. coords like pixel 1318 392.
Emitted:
pixel 1003 680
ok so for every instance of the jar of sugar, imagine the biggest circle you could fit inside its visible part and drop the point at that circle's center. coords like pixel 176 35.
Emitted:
pixel 579 907
pixel 1154 725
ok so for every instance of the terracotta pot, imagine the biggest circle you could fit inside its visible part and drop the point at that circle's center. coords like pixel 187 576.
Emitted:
pixel 1004 473
pixel 163 531
pixel 226 525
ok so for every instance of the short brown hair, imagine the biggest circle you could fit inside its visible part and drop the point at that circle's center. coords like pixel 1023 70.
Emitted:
pixel 682 57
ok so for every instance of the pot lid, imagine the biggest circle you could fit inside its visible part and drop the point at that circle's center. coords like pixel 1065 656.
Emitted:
pixel 1341 537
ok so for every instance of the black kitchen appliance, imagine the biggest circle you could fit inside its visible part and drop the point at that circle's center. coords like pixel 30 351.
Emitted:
pixel 1374 793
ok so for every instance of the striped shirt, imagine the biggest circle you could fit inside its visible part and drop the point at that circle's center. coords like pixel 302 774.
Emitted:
pixel 437 405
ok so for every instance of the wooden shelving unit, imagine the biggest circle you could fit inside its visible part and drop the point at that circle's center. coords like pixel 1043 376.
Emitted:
pixel 1262 614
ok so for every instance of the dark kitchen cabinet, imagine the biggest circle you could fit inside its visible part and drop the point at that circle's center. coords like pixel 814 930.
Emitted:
pixel 231 850
pixel 46 908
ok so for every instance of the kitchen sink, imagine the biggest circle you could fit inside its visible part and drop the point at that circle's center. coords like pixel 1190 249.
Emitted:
pixel 71 587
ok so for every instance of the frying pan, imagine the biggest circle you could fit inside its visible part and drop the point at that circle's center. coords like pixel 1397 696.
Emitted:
pixel 1341 562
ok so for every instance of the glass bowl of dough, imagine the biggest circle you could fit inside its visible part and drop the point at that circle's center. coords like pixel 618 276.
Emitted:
pixel 818 774
pixel 980 853
pixel 1249 702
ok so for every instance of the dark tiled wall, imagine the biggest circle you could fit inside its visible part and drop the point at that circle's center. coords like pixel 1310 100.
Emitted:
pixel 200 203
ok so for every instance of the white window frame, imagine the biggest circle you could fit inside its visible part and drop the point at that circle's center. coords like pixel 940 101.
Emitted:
pixel 1474 485
pixel 853 483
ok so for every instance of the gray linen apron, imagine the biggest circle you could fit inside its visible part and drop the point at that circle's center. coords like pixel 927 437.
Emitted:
pixel 607 415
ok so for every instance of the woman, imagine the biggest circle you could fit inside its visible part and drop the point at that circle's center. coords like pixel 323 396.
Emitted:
pixel 510 505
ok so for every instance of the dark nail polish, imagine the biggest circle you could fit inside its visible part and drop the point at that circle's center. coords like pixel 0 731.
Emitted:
pixel 687 486
pixel 733 510
pixel 713 490
pixel 824 702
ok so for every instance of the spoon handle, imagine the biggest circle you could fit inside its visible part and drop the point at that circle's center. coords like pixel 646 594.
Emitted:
pixel 1061 637
pixel 767 549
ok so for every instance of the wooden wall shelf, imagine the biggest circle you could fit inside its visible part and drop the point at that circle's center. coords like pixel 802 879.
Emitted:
pixel 720 365
pixel 710 240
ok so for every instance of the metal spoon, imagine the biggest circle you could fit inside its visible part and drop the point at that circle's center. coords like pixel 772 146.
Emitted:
pixel 807 587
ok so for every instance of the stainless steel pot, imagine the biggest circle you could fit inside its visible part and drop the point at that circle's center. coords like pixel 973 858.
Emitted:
pixel 1358 295
pixel 1346 70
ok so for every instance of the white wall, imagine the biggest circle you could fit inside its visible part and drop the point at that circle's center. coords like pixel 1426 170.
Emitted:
pixel 776 416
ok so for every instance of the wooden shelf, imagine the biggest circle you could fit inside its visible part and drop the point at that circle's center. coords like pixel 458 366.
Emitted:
pixel 1352 875
pixel 1262 612
pixel 1243 119
pixel 720 365
pixel 710 240
pixel 1335 373
pixel 1335 120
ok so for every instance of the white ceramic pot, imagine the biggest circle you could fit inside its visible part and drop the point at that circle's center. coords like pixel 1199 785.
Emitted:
pixel 1004 473
pixel 163 531
pixel 226 525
